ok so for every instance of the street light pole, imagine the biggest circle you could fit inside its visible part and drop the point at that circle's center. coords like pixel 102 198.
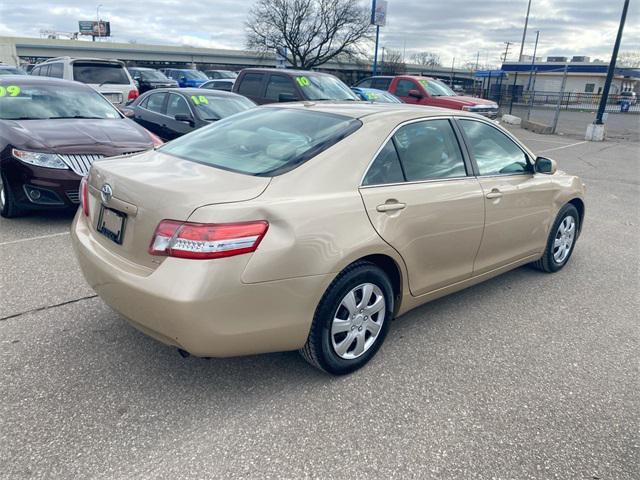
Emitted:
pixel 612 67
pixel 524 32
pixel 98 19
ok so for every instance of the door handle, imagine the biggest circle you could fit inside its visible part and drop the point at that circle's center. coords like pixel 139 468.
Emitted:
pixel 495 193
pixel 390 207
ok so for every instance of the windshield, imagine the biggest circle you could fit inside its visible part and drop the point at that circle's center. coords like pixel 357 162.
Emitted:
pixel 12 71
pixel 264 141
pixel 324 87
pixel 378 96
pixel 193 75
pixel 152 75
pixel 224 74
pixel 29 102
pixel 100 73
pixel 436 88
pixel 212 107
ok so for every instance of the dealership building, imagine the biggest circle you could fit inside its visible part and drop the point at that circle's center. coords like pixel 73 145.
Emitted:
pixel 583 75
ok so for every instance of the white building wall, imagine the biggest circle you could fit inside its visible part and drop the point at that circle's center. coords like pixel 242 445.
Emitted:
pixel 576 83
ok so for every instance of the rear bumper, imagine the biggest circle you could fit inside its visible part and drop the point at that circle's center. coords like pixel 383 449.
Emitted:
pixel 201 306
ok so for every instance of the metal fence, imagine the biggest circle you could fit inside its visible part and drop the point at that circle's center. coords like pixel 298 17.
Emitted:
pixel 585 102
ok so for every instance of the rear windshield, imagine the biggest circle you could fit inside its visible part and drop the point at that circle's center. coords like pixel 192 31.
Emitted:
pixel 264 141
pixel 99 73
pixel 152 75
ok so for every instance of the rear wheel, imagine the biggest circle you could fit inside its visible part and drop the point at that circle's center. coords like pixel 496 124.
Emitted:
pixel 8 207
pixel 351 321
pixel 561 241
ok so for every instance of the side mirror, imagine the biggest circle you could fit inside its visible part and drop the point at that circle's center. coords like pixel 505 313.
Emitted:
pixel 181 117
pixel 545 165
pixel 415 93
pixel 287 97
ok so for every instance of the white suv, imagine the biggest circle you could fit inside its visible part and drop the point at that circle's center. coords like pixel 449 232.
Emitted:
pixel 109 77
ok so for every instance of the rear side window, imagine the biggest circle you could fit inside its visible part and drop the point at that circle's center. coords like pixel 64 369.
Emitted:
pixel 263 142
pixel 385 168
pixel 56 70
pixel 99 73
pixel 251 84
pixel 35 71
pixel 155 102
pixel 279 84
pixel 429 150
pixel 381 83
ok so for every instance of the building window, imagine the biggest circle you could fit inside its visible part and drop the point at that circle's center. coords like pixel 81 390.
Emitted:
pixel 589 87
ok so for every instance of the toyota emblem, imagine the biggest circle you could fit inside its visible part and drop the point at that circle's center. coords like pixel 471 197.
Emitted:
pixel 106 192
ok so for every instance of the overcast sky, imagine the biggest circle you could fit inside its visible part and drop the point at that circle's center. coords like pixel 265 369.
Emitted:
pixel 450 28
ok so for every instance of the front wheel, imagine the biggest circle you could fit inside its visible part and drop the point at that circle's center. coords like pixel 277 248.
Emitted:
pixel 351 321
pixel 8 207
pixel 561 241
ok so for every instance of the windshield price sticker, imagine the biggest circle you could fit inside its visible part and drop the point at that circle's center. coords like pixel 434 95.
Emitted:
pixel 199 100
pixel 303 81
pixel 372 95
pixel 11 91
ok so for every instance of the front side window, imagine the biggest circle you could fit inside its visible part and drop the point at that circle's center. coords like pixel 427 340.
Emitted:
pixel 156 102
pixel 39 102
pixel 366 83
pixel 494 152
pixel 251 84
pixel 279 84
pixel 56 70
pixel 403 87
pixel 429 150
pixel 385 168
pixel 263 142
pixel 177 106
pixel 381 83
pixel 100 73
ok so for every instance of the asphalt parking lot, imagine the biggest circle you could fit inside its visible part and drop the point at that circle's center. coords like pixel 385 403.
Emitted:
pixel 529 375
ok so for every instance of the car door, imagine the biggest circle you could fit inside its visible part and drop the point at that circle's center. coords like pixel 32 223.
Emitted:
pixel 421 200
pixel 518 202
pixel 177 105
pixel 150 113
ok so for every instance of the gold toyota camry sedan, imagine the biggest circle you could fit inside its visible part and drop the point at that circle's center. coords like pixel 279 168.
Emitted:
pixel 311 226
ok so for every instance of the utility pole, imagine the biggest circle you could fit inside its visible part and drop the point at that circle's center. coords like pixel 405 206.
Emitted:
pixel 533 60
pixel 453 65
pixel 506 52
pixel 612 66
pixel 560 98
pixel 477 60
pixel 524 32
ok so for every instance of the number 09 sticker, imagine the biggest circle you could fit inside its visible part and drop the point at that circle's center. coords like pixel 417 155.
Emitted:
pixel 10 90
pixel 303 81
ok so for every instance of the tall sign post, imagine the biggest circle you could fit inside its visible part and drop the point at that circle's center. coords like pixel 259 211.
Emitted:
pixel 379 19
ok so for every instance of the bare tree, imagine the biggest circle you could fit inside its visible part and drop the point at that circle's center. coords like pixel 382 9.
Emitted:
pixel 393 63
pixel 311 32
pixel 629 59
pixel 426 59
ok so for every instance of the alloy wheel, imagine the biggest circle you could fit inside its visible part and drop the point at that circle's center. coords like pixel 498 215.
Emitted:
pixel 358 321
pixel 565 235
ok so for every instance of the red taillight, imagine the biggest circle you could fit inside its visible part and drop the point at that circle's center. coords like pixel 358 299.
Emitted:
pixel 133 94
pixel 206 240
pixel 84 196
pixel 157 141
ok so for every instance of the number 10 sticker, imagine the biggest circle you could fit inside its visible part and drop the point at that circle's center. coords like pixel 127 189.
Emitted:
pixel 303 81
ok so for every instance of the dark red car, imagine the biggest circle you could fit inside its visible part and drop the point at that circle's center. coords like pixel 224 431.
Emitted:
pixel 429 91
pixel 51 131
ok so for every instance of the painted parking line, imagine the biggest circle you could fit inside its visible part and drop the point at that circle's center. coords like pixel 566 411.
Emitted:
pixel 40 237
pixel 564 146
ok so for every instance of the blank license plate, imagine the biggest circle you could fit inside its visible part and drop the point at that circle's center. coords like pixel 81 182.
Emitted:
pixel 114 97
pixel 111 224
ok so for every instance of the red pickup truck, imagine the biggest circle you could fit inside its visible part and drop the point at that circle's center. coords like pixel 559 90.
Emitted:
pixel 429 91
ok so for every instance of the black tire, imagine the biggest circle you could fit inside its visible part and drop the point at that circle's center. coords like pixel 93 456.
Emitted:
pixel 8 207
pixel 547 262
pixel 318 350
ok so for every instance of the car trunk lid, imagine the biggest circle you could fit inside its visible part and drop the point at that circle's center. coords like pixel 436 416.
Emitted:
pixel 154 186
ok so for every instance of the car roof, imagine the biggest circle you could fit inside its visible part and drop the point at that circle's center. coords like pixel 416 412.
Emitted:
pixel 283 71
pixel 359 110
pixel 29 80
pixel 194 91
